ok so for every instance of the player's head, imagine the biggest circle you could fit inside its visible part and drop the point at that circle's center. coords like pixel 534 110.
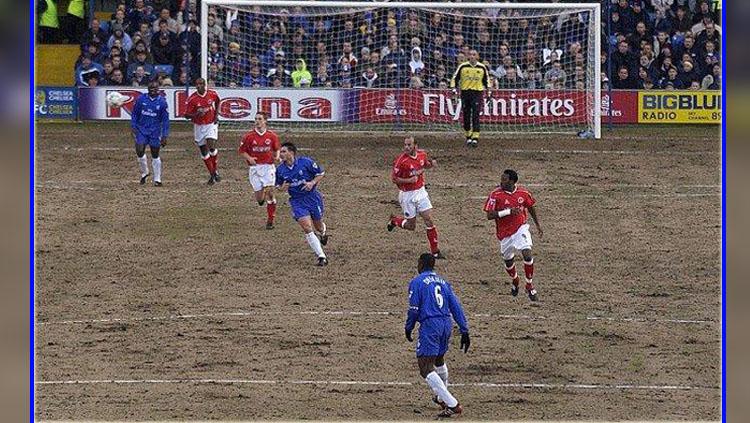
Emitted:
pixel 153 88
pixel 200 85
pixel 508 179
pixel 410 145
pixel 473 57
pixel 288 152
pixel 261 120
pixel 426 262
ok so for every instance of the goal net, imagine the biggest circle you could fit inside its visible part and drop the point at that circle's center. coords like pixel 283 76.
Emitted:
pixel 387 66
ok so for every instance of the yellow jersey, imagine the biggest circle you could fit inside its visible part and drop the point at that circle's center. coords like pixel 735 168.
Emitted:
pixel 471 77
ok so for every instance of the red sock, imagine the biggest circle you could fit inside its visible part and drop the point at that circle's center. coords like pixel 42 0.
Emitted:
pixel 528 269
pixel 432 237
pixel 512 273
pixel 271 210
pixel 215 159
pixel 398 221
pixel 209 164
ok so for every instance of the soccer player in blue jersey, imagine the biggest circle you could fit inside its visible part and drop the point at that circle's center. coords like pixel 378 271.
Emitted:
pixel 300 176
pixel 432 303
pixel 150 126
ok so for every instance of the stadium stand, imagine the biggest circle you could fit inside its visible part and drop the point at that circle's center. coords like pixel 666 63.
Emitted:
pixel 654 44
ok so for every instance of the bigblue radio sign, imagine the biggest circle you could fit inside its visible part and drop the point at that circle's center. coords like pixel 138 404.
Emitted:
pixel 56 103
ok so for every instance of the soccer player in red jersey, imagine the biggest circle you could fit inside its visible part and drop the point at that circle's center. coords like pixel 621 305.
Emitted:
pixel 507 206
pixel 260 148
pixel 203 110
pixel 408 175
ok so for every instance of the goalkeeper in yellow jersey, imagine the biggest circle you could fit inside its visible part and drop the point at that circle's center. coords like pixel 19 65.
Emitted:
pixel 470 80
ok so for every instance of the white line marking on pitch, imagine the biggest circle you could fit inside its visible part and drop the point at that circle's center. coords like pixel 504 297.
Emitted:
pixel 563 386
pixel 351 313
pixel 134 185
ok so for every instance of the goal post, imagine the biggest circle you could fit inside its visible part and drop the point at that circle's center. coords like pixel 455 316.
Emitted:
pixel 364 66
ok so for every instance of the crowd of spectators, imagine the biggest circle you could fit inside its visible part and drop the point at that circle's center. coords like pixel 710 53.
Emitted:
pixel 651 44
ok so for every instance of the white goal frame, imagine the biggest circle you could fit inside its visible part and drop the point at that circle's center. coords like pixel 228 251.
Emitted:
pixel 595 8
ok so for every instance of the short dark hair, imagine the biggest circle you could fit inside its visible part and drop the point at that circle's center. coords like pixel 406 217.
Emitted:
pixel 290 146
pixel 426 262
pixel 512 175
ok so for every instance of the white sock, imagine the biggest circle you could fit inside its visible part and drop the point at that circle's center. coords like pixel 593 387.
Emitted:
pixel 439 388
pixel 314 242
pixel 214 152
pixel 143 165
pixel 156 165
pixel 442 371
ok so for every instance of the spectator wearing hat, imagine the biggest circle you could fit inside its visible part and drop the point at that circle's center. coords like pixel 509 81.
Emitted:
pixel 166 53
pixel 689 73
pixel 301 76
pixel 235 65
pixel 119 34
pixel 86 70
pixel 416 64
pixel 672 79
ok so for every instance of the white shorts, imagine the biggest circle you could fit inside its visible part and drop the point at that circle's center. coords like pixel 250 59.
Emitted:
pixel 413 202
pixel 519 241
pixel 261 176
pixel 203 132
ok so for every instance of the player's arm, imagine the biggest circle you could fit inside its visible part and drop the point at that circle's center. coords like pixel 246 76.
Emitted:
pixel 135 115
pixel 532 212
pixel 189 109
pixel 454 305
pixel 319 175
pixel 281 185
pixel 429 163
pixel 456 80
pixel 217 102
pixel 242 151
pixel 490 208
pixel 413 313
pixel 486 80
pixel 164 123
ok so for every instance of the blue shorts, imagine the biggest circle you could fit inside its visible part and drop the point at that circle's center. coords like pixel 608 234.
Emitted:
pixel 153 141
pixel 309 205
pixel 434 337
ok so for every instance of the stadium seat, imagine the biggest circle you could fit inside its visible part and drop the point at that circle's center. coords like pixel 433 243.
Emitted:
pixel 168 69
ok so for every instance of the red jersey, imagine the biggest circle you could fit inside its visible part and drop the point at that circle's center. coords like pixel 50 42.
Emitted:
pixel 407 166
pixel 499 200
pixel 205 103
pixel 262 147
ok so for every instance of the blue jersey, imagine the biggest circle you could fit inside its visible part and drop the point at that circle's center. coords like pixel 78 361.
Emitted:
pixel 150 117
pixel 431 296
pixel 304 169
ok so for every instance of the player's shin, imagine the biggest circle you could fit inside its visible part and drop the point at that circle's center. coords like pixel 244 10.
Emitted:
pixel 314 243
pixel 214 153
pixel 442 371
pixel 511 270
pixel 432 238
pixel 271 209
pixel 143 165
pixel 209 163
pixel 528 269
pixel 440 389
pixel 156 165
pixel 398 221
